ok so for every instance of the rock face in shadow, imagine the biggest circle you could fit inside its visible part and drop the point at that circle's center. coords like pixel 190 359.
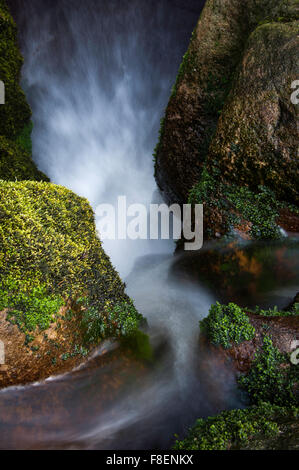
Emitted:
pixel 230 111
pixel 60 295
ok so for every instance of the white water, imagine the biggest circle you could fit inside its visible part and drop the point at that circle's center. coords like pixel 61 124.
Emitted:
pixel 98 77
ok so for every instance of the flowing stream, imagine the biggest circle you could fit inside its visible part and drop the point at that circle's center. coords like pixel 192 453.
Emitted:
pixel 98 75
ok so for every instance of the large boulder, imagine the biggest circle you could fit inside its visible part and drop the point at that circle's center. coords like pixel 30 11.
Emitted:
pixel 230 119
pixel 262 427
pixel 256 141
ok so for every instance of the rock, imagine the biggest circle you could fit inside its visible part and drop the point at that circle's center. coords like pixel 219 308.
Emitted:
pixel 16 163
pixel 291 306
pixel 262 427
pixel 230 113
pixel 15 127
pixel 60 296
pixel 256 141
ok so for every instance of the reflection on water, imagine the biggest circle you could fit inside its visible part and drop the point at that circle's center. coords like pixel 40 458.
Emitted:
pixel 117 402
pixel 250 274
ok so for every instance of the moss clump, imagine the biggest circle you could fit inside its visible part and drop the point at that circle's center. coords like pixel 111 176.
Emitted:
pixel 50 254
pixel 275 312
pixel 24 138
pixel 272 377
pixel 241 429
pixel 16 163
pixel 240 204
pixel 16 113
pixel 227 325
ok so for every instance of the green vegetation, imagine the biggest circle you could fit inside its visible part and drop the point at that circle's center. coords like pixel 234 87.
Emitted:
pixel 15 125
pixel 16 163
pixel 161 133
pixel 29 309
pixel 238 429
pixel 16 113
pixel 120 319
pixel 275 312
pixel 240 204
pixel 227 324
pixel 217 89
pixel 50 256
pixel 272 377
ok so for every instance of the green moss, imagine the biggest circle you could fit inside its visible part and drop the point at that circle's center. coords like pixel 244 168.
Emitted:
pixel 186 67
pixel 227 325
pixel 24 138
pixel 16 113
pixel 15 125
pixel 239 429
pixel 50 249
pixel 121 319
pixel 272 377
pixel 16 163
pixel 28 308
pixel 239 204
pixel 275 312
pixel 217 89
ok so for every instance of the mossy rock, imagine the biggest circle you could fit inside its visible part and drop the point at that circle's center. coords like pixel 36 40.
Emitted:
pixel 256 141
pixel 16 113
pixel 260 345
pixel 15 125
pixel 55 277
pixel 264 427
pixel 230 113
pixel 16 163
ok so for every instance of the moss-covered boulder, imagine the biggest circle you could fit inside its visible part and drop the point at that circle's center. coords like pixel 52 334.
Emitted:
pixel 59 294
pixel 230 122
pixel 263 427
pixel 15 126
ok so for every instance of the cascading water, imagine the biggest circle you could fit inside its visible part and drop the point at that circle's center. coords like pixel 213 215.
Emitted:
pixel 98 75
